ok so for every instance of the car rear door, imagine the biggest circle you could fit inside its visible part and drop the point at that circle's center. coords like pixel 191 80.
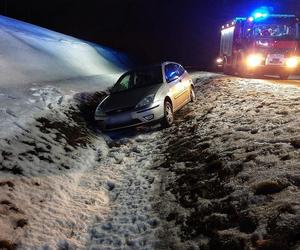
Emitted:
pixel 186 82
pixel 177 85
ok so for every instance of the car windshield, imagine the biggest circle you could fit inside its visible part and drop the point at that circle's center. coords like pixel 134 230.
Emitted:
pixel 138 78
pixel 284 31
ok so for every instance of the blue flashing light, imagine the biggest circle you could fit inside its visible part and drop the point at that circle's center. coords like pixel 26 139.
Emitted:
pixel 260 13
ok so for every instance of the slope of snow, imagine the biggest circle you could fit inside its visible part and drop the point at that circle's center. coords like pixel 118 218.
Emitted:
pixel 39 66
pixel 30 54
pixel 44 199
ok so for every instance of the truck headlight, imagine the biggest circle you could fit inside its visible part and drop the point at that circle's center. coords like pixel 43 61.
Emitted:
pixel 148 100
pixel 219 61
pixel 255 60
pixel 292 62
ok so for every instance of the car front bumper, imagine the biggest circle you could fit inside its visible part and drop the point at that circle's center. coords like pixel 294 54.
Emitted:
pixel 131 118
pixel 272 70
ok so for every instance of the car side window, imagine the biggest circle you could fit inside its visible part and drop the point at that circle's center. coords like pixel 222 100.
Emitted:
pixel 172 72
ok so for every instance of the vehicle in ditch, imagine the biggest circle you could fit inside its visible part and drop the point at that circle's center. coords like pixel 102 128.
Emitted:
pixel 146 95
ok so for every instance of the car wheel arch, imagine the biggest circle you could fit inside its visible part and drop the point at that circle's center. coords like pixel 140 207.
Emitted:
pixel 168 99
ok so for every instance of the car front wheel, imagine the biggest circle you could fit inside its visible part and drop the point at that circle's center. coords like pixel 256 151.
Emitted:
pixel 168 119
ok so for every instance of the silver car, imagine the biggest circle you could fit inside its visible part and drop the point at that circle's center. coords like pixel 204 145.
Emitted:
pixel 146 95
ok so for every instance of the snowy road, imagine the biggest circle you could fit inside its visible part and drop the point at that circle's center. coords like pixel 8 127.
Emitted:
pixel 294 80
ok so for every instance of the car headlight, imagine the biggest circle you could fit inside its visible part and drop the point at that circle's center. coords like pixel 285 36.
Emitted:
pixel 255 60
pixel 292 62
pixel 148 100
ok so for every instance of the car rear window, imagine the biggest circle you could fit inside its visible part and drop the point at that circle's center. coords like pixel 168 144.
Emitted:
pixel 173 71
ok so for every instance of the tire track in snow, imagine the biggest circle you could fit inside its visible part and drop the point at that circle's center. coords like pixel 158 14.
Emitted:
pixel 132 222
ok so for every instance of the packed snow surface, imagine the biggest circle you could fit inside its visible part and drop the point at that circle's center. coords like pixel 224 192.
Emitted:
pixel 225 176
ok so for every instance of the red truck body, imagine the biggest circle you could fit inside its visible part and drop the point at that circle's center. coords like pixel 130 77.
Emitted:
pixel 262 46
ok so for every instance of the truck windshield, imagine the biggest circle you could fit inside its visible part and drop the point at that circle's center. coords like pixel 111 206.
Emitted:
pixel 279 31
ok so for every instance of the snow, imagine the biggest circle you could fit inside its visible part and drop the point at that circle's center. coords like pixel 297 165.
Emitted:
pixel 47 153
pixel 232 162
pixel 131 223
pixel 39 66
pixel 225 176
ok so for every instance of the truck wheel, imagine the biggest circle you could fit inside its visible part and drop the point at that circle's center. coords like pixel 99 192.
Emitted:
pixel 241 68
pixel 284 76
pixel 227 70
pixel 168 119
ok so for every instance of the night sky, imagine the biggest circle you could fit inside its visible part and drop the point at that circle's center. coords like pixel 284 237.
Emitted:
pixel 153 31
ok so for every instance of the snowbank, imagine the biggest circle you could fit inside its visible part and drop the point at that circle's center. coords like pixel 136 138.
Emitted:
pixel 39 66
pixel 47 153
pixel 30 54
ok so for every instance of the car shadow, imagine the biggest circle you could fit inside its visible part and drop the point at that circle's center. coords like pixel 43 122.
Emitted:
pixel 87 103
pixel 132 132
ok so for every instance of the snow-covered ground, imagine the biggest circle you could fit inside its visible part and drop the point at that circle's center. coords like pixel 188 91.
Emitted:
pixel 45 146
pixel 225 176
pixel 232 168
pixel 39 66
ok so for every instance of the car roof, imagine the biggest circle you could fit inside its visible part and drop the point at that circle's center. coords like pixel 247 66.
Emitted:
pixel 152 66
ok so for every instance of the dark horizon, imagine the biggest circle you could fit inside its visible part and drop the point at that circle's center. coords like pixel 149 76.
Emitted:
pixel 182 31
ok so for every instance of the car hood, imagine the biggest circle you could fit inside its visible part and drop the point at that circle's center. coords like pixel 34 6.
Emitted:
pixel 127 99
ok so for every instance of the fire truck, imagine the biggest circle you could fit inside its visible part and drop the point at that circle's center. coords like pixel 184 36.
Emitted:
pixel 263 44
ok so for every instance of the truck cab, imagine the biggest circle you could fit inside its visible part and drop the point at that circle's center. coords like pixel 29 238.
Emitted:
pixel 261 45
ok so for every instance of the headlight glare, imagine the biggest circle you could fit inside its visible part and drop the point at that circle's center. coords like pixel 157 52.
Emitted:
pixel 292 62
pixel 219 60
pixel 255 60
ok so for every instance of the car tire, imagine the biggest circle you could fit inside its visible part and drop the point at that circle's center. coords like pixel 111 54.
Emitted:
pixel 284 76
pixel 192 95
pixel 168 118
